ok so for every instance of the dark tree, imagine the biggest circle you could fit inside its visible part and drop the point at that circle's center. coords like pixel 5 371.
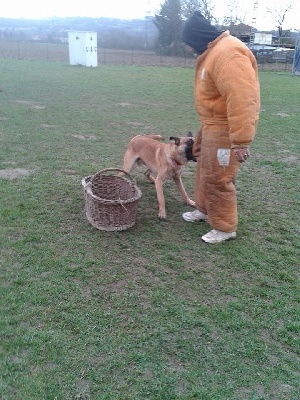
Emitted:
pixel 205 6
pixel 170 18
pixel 168 23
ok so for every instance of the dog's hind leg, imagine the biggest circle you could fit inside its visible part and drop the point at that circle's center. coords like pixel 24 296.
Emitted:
pixel 149 176
pixel 129 161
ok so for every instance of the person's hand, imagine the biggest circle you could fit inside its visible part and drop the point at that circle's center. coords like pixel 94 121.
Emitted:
pixel 241 154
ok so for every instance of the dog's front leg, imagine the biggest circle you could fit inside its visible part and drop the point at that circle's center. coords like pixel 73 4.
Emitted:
pixel 160 197
pixel 185 197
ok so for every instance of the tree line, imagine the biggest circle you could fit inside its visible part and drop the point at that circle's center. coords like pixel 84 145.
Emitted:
pixel 160 32
pixel 173 13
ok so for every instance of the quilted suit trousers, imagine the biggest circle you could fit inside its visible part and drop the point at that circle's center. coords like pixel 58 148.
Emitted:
pixel 215 193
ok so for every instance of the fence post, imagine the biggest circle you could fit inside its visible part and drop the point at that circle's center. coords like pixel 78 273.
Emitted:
pixel 104 55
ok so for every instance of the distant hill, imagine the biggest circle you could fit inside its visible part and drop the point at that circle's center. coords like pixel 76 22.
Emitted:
pixel 112 32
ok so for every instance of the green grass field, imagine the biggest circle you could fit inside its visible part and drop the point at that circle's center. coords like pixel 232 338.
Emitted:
pixel 151 312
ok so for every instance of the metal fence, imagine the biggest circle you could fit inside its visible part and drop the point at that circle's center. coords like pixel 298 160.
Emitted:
pixel 26 50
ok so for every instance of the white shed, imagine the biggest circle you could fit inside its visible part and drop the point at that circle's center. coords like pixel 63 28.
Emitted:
pixel 83 48
pixel 262 38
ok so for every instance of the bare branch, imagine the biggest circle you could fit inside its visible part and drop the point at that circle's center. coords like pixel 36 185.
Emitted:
pixel 279 15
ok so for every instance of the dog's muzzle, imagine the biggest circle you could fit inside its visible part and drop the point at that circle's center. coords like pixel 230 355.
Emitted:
pixel 189 154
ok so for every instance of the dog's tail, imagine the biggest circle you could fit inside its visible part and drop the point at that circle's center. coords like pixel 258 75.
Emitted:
pixel 154 137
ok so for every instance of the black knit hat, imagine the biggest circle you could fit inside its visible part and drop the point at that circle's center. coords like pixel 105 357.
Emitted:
pixel 197 32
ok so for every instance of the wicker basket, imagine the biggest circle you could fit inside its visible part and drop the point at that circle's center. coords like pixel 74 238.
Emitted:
pixel 110 200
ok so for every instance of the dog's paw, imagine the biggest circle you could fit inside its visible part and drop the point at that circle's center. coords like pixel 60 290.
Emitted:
pixel 191 203
pixel 162 217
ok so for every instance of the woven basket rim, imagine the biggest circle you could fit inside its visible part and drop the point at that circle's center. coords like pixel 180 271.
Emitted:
pixel 102 172
pixel 114 214
pixel 87 185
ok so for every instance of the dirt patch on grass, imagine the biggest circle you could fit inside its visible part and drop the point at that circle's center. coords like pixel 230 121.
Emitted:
pixel 30 104
pixel 140 125
pixel 124 104
pixel 13 173
pixel 9 162
pixel 291 159
pixel 22 101
pixel 38 107
pixel 48 126
pixel 283 114
pixel 84 137
pixel 135 124
pixel 279 390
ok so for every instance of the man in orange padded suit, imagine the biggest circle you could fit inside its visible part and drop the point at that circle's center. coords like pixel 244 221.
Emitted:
pixel 227 99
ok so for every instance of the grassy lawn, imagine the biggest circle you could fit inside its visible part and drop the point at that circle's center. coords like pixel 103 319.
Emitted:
pixel 150 312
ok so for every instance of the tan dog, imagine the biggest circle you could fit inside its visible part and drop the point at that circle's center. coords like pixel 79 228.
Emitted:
pixel 166 160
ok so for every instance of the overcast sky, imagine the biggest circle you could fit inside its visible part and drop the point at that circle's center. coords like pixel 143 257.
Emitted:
pixel 130 9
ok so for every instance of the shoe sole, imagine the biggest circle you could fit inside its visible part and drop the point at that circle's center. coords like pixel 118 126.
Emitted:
pixel 219 241
pixel 194 220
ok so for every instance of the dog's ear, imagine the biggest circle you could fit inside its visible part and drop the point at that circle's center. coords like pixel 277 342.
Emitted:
pixel 176 140
pixel 189 134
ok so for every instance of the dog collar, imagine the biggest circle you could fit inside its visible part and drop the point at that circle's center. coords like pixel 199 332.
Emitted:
pixel 176 162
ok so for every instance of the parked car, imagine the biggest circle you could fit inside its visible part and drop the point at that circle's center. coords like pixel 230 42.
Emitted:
pixel 264 55
pixel 283 55
pixel 279 54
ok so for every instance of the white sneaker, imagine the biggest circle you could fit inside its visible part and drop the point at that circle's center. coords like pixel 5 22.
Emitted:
pixel 194 216
pixel 215 236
